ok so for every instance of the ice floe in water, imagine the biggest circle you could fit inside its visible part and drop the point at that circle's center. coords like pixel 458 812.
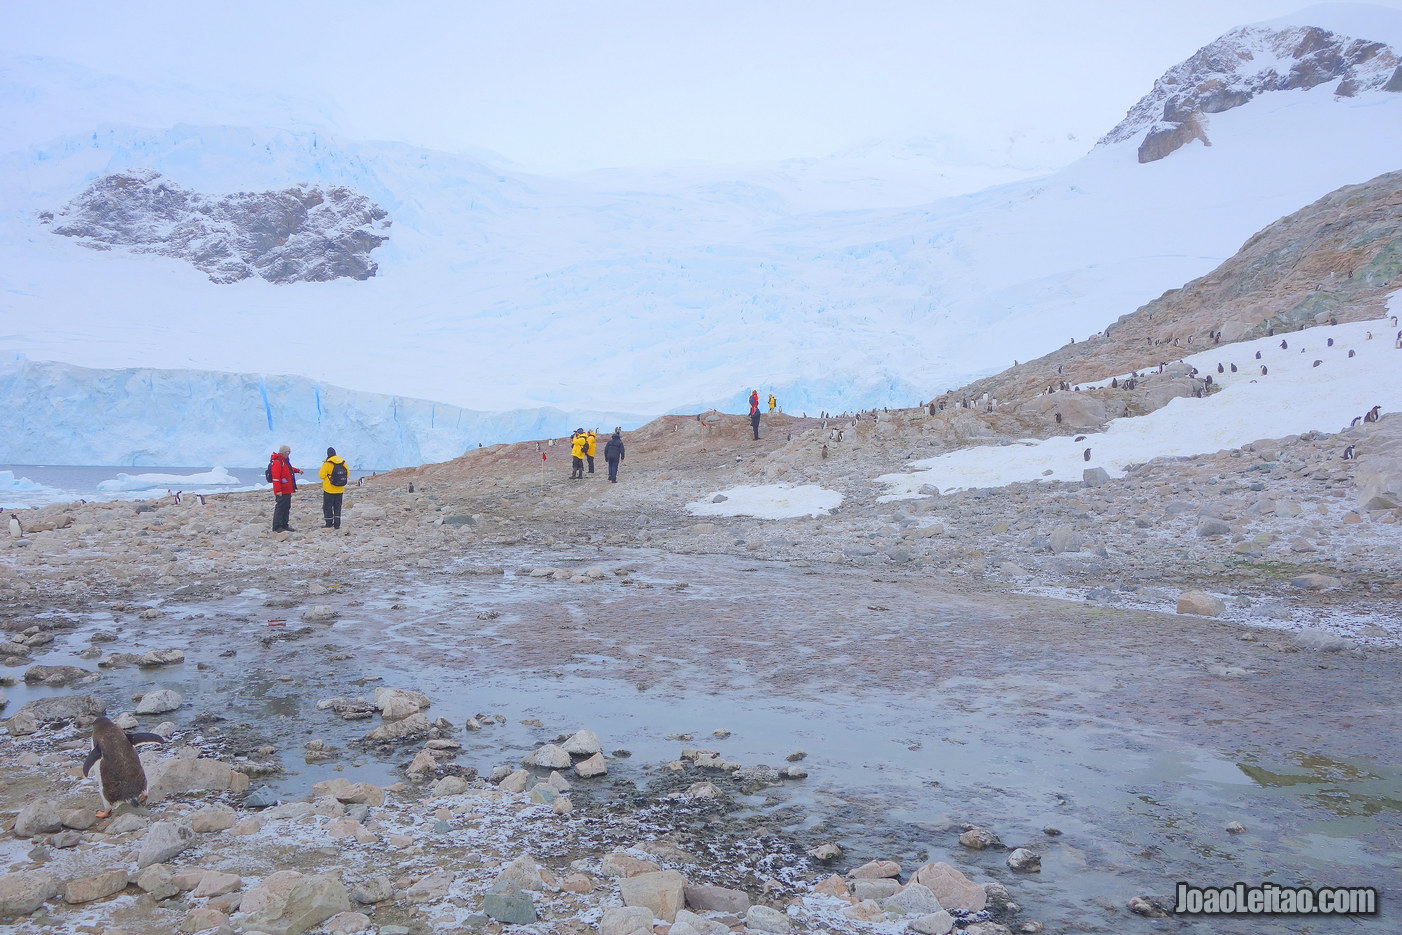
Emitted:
pixel 216 477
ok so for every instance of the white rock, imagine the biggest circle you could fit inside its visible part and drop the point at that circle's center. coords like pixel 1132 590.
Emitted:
pixel 764 919
pixel 583 743
pixel 159 701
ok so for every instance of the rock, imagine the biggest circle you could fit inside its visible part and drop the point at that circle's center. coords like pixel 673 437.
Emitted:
pixel 1236 827
pixel 526 874
pixel 825 852
pixel 161 657
pixel 548 756
pixel 875 870
pixel 1320 641
pixel 165 840
pixel 702 790
pixel 979 838
pixel 793 772
pixel 406 728
pixel 374 890
pixel 1200 603
pixel 215 883
pixel 510 906
pixel 79 819
pixel 577 883
pixel 562 805
pixel 430 888
pixel 716 899
pixel 159 701
pixel 1022 860
pixel 212 818
pixel 22 893
pixel 915 899
pixel 582 743
pixel 448 785
pixel 626 921
pixel 542 794
pixel 1210 526
pixel 1379 482
pixel 516 782
pixel 126 824
pixel 876 889
pixel 593 766
pixel 347 923
pixel 701 925
pixel 866 910
pixel 1315 582
pixel 1140 905
pixel 1065 539
pixel 176 775
pixel 558 782
pixel 1095 477
pixel 833 885
pixel 951 888
pixel 79 708
pixel 97 886
pixel 156 880
pixel 292 905
pixel 320 613
pixel 351 793
pixel 764 919
pixel 262 797
pixel 56 676
pixel 38 817
pixel 399 702
pixel 936 923
pixel 423 764
pixel 203 919
pixel 626 865
pixel 662 891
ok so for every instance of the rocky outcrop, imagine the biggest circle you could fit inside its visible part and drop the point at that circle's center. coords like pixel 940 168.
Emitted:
pixel 302 234
pixel 1243 64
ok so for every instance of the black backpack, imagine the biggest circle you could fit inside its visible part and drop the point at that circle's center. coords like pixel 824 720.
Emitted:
pixel 268 472
pixel 339 474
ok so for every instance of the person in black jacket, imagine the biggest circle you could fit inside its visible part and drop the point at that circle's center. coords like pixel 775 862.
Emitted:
pixel 613 453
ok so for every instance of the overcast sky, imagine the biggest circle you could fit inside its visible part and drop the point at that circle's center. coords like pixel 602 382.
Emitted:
pixel 578 85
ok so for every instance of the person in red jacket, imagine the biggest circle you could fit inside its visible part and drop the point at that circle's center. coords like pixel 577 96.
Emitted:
pixel 284 483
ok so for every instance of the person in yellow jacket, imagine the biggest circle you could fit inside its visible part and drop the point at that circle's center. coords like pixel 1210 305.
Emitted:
pixel 589 449
pixel 579 444
pixel 334 474
pixel 772 403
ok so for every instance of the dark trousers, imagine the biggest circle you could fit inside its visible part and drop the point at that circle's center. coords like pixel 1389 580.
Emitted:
pixel 282 511
pixel 591 463
pixel 331 509
pixel 754 424
pixel 613 469
pixel 578 469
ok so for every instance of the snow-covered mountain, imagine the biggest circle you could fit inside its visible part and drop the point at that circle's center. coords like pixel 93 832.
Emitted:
pixel 648 292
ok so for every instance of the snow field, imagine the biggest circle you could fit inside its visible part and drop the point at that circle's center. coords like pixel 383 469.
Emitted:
pixel 770 501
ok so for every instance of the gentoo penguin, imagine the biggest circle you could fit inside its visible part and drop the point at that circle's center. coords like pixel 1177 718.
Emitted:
pixel 16 531
pixel 1283 345
pixel 1263 370
pixel 1086 454
pixel 1258 355
pixel 1348 453
pixel 122 778
pixel 1331 342
pixel 1233 368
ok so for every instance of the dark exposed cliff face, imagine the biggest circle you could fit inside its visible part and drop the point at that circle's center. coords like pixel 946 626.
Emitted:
pixel 303 234
pixel 1243 64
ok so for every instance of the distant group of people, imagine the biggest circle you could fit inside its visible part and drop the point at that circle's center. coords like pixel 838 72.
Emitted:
pixel 583 445
pixel 334 475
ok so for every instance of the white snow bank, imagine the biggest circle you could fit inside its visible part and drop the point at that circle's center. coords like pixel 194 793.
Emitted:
pixel 218 477
pixel 769 501
pixel 1292 397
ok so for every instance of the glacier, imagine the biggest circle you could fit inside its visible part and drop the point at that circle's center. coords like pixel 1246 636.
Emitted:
pixel 62 414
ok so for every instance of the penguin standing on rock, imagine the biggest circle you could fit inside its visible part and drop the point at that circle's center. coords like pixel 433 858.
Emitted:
pixel 16 530
pixel 122 778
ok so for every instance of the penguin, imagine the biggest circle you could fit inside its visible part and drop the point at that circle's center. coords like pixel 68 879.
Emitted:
pixel 1219 369
pixel 1114 383
pixel 1350 352
pixel 16 531
pixel 1284 346
pixel 1375 413
pixel 1086 454
pixel 1316 363
pixel 1331 343
pixel 1079 438
pixel 122 778
pixel 1263 370
pixel 201 496
pixel 1348 453
pixel 1258 355
pixel 1367 335
pixel 1058 418
pixel 1233 368
pixel 1356 420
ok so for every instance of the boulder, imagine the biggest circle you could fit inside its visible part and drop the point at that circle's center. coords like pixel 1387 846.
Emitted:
pixel 399 702
pixel 1379 482
pixel 1095 477
pixel 1065 539
pixel 41 816
pixel 156 880
pixel 515 782
pixel 351 793
pixel 448 785
pixel 291 910
pixel 216 883
pixel 764 919
pixel 662 891
pixel 22 893
pixel 979 838
pixel 177 775
pixel 701 925
pixel 405 728
pixel 936 923
pixel 159 701
pixel 548 756
pixel 510 906
pixel 915 899
pixel 526 874
pixel 213 818
pixel 593 766
pixel 347 923
pixel 1210 526
pixel 374 890
pixel 1320 641
pixel 626 921
pixel 876 889
pixel 430 888
pixel 1200 603
pixel 56 676
pixel 1315 582
pixel 705 898
pixel 582 743
pixel 951 888
pixel 626 865
pixel 876 870
pixel 161 657
pixel 1022 860
pixel 165 840
pixel 64 708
